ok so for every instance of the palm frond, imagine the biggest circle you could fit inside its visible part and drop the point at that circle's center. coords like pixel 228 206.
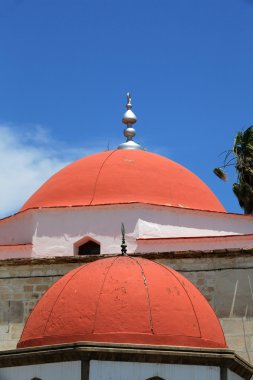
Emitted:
pixel 219 172
pixel 244 194
pixel 241 158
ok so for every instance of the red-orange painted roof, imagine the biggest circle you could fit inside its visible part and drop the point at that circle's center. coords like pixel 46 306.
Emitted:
pixel 125 176
pixel 123 300
pixel 198 238
pixel 15 247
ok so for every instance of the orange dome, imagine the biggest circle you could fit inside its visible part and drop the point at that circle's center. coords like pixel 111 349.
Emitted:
pixel 123 300
pixel 124 176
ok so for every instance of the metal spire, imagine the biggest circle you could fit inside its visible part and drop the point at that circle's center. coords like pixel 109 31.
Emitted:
pixel 129 119
pixel 123 245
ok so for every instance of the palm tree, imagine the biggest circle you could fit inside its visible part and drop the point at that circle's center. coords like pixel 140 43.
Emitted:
pixel 241 157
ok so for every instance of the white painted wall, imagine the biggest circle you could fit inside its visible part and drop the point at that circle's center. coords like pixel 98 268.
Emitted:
pixel 197 244
pixel 103 370
pixel 54 231
pixel 17 229
pixel 51 371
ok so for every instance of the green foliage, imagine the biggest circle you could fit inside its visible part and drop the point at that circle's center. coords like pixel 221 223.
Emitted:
pixel 241 158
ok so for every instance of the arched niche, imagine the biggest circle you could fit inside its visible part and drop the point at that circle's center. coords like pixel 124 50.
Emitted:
pixel 87 246
pixel 155 378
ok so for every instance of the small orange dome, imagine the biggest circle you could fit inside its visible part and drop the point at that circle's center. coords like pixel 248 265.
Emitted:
pixel 125 176
pixel 123 300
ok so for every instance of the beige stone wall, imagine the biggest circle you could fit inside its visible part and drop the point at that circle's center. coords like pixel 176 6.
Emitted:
pixel 225 280
pixel 21 286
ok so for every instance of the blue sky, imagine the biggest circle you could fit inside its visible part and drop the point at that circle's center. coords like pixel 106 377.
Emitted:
pixel 66 65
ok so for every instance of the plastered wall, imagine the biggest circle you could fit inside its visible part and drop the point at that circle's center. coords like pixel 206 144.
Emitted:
pixel 55 232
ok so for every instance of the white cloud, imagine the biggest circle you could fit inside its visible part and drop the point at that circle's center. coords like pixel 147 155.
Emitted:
pixel 28 157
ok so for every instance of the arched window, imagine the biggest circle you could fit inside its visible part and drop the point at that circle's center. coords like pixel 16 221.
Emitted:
pixel 35 378
pixel 155 378
pixel 89 248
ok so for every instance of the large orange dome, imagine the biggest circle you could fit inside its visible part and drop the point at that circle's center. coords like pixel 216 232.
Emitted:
pixel 124 176
pixel 123 300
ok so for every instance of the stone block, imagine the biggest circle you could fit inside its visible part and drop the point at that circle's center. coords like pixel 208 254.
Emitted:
pixel 28 288
pixel 232 326
pixel 33 280
pixel 5 296
pixel 35 295
pixel 38 272
pixel 4 329
pixel 208 298
pixel 4 306
pixel 14 312
pixel 244 355
pixel 17 296
pixel 248 326
pixel 8 345
pixel 236 343
pixel 41 288
pixel 16 330
pixel 249 342
pixel 251 356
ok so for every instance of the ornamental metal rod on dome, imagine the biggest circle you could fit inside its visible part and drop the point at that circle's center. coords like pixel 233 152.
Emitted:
pixel 129 118
pixel 123 245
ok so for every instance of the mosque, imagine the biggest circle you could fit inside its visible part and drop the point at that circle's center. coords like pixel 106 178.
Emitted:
pixel 124 264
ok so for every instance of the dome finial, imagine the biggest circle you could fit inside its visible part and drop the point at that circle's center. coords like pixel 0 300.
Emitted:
pixel 123 245
pixel 129 101
pixel 129 119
